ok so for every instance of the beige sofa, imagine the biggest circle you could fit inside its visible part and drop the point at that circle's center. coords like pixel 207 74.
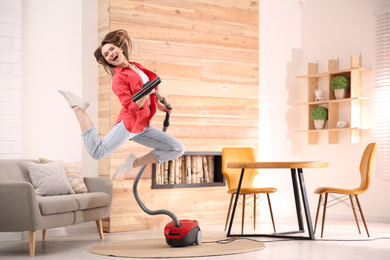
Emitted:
pixel 23 210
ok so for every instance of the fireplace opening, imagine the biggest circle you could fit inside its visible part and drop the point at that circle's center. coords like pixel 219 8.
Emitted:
pixel 193 169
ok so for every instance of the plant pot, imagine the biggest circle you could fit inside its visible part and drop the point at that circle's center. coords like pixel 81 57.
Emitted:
pixel 340 93
pixel 319 124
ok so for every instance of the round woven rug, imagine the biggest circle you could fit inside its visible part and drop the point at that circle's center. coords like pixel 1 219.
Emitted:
pixel 157 248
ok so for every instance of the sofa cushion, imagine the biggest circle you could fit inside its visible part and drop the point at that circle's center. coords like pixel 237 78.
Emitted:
pixel 49 179
pixel 74 173
pixel 72 202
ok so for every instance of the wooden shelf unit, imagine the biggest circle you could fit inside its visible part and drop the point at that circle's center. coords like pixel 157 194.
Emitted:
pixel 354 99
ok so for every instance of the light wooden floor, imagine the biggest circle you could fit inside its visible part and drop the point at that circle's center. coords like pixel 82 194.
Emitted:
pixel 341 241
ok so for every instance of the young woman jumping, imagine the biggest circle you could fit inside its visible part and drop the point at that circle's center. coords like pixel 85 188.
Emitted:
pixel 133 122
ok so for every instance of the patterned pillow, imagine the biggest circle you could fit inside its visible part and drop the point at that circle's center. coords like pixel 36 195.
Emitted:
pixel 49 179
pixel 75 175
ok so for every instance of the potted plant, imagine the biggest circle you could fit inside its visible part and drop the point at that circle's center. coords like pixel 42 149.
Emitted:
pixel 319 115
pixel 340 85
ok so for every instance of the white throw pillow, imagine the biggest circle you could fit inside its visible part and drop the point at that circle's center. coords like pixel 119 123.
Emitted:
pixel 75 175
pixel 49 179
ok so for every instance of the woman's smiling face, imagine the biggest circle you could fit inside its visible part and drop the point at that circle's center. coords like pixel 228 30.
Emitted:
pixel 114 55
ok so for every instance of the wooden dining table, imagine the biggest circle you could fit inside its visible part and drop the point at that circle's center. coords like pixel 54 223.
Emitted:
pixel 298 183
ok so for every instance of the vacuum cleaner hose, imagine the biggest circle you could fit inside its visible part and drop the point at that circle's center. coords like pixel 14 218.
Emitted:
pixel 166 122
pixel 144 208
pixel 135 189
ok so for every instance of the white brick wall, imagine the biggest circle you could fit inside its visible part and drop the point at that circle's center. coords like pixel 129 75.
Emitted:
pixel 10 79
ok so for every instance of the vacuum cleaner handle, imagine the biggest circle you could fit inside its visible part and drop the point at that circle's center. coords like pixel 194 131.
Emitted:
pixel 146 89
pixel 163 100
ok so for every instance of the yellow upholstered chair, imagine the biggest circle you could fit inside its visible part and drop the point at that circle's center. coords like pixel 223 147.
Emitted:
pixel 338 195
pixel 247 190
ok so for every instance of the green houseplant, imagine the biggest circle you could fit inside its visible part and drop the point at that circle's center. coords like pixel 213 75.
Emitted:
pixel 340 84
pixel 319 115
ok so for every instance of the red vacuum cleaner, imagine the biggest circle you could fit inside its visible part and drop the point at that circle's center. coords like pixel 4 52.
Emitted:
pixel 178 233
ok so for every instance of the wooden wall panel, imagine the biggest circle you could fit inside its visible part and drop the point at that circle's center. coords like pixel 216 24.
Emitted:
pixel 206 54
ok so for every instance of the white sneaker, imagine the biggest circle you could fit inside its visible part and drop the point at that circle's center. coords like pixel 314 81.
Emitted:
pixel 74 100
pixel 126 166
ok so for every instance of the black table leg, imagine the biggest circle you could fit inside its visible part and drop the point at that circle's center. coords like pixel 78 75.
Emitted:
pixel 235 202
pixel 306 204
pixel 297 199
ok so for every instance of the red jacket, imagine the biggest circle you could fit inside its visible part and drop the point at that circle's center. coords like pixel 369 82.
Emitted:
pixel 125 83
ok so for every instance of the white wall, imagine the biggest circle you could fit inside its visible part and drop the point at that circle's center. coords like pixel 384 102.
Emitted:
pixel 328 30
pixel 280 30
pixel 54 48
pixel 58 40
pixel 10 79
pixel 351 34
pixel 90 75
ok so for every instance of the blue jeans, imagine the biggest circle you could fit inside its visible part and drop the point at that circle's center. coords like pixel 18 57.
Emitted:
pixel 166 147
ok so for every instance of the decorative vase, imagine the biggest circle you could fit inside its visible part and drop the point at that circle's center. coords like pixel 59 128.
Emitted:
pixel 340 93
pixel 342 123
pixel 319 124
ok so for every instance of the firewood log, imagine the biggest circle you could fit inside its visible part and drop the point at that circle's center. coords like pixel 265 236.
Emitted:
pixel 158 174
pixel 199 169
pixel 166 177
pixel 177 171
pixel 171 172
pixel 183 169
pixel 193 170
pixel 205 169
pixel 188 169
